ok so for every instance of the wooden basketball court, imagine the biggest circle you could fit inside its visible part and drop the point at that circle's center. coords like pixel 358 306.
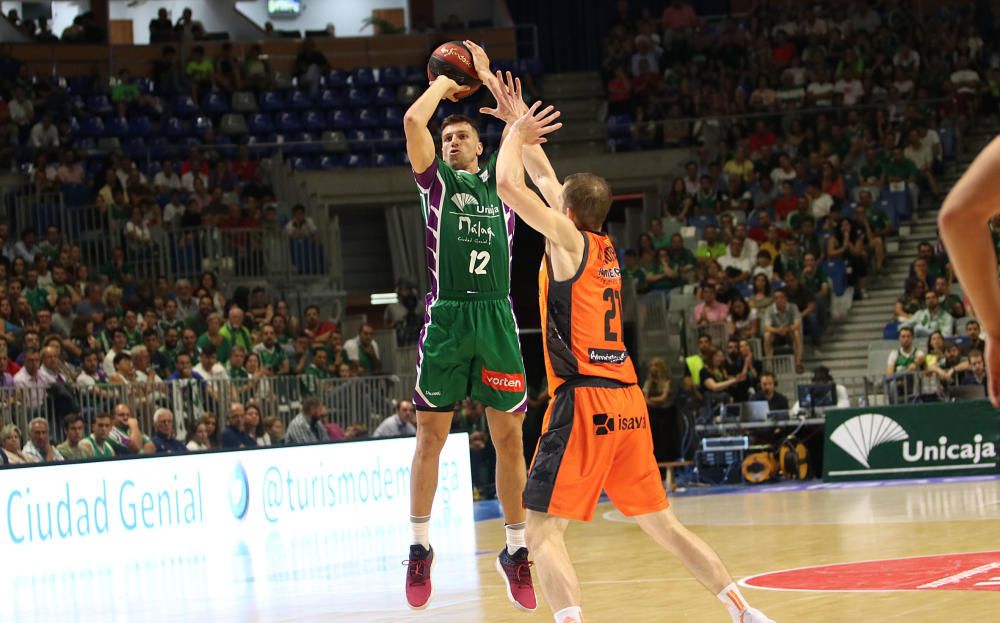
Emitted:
pixel 626 578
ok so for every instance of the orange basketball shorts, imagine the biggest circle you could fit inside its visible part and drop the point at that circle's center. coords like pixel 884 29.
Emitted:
pixel 595 436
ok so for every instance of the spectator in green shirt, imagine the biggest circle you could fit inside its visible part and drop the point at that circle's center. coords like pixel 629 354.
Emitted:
pixel 212 335
pixel 235 331
pixel 38 297
pixel 316 372
pixel 632 271
pixel 271 355
pixel 199 71
pixel 199 320
pixel 711 248
pixel 660 239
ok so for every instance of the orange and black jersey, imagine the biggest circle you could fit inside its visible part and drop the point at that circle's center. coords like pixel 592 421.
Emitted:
pixel 582 317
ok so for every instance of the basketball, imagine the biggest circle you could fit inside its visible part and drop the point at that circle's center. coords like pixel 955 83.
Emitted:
pixel 454 60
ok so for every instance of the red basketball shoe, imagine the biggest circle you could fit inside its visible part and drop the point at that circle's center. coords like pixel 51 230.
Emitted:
pixel 516 573
pixel 418 576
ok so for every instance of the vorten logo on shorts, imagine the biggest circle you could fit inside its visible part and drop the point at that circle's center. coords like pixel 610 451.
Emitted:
pixel 504 382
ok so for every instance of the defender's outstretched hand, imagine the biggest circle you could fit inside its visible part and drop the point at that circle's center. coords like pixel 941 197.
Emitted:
pixel 533 125
pixel 510 101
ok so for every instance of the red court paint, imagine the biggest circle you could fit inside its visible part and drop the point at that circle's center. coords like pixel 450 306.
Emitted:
pixel 979 571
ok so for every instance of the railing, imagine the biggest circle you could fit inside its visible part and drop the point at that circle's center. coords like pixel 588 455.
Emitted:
pixel 365 400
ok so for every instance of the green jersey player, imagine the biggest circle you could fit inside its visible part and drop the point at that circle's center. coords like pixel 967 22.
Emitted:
pixel 469 343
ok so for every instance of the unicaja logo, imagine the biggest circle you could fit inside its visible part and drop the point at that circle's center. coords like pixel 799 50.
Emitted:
pixel 239 492
pixel 860 434
pixel 464 199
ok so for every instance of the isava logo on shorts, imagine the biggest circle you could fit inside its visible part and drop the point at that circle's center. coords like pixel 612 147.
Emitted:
pixel 503 382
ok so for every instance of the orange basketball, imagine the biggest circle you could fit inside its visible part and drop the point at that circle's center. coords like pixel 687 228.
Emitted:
pixel 454 60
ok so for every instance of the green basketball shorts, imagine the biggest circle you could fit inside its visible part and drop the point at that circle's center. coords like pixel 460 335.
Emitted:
pixel 470 349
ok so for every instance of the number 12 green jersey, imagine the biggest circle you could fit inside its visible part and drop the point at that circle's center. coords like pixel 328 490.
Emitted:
pixel 469 232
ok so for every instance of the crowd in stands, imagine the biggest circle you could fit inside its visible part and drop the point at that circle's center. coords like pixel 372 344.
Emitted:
pixel 86 28
pixel 813 140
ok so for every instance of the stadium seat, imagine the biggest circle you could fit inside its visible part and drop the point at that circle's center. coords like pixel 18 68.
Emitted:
pixel 416 75
pixel 76 195
pixel 200 124
pixel 385 96
pixel 362 77
pixel 288 122
pixel 256 149
pixel 386 159
pixel 244 101
pixel 389 139
pixel 358 98
pixel 184 106
pixel 79 85
pixel 307 143
pixel 530 66
pixel 117 126
pixel 140 126
pixel 99 105
pixel 160 148
pixel 260 123
pixel 135 147
pixel 271 101
pixel 340 120
pixel 619 126
pixel 391 76
pixel 109 143
pixel 336 78
pixel 330 162
pixel 314 121
pixel 300 100
pixel 392 117
pixel 92 127
pixel 233 124
pixel 334 142
pixel 358 141
pixel 356 161
pixel 282 81
pixel 366 118
pixel 174 128
pixel 333 98
pixel 214 103
pixel 144 84
pixel 407 94
pixel 225 145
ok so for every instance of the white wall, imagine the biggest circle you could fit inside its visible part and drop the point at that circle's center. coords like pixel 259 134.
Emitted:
pixel 346 15
pixel 63 12
pixel 215 16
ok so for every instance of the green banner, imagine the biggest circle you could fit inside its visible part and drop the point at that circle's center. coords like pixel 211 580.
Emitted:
pixel 911 441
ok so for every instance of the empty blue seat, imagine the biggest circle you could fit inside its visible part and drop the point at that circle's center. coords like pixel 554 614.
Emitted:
pixel 947 136
pixel 174 128
pixel 256 149
pixel 215 104
pixel 271 101
pixel 288 122
pixel 307 143
pixel 389 139
pixel 702 221
pixel 79 85
pixel 385 96
pixel 415 75
pixel 333 98
pixel 117 126
pixel 135 147
pixel 314 121
pixel 392 116
pixel 184 106
pixel 300 100
pixel 225 145
pixel 356 161
pixel 340 120
pixel 303 163
pixel 200 124
pixel 362 77
pixel 260 123
pixel 386 159
pixel 161 149
pixel 391 76
pixel 356 98
pixel 187 142
pixel 140 126
pixel 337 78
pixel 99 105
pixel 144 84
pixel 357 140
pixel 93 126
pixel 330 161
pixel 366 118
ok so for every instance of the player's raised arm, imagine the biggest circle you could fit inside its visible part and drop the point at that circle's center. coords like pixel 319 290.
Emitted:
pixel 510 106
pixel 964 222
pixel 419 142
pixel 531 129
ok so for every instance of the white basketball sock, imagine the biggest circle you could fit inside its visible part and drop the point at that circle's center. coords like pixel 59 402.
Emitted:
pixel 733 599
pixel 420 528
pixel 573 614
pixel 515 537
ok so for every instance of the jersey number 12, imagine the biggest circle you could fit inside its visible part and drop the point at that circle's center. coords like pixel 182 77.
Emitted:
pixel 483 257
